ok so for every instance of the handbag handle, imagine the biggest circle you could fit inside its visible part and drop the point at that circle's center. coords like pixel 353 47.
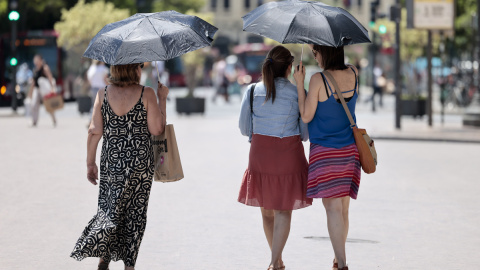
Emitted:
pixel 340 96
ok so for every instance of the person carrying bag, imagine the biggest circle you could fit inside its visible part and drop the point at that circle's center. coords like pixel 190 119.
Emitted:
pixel 168 167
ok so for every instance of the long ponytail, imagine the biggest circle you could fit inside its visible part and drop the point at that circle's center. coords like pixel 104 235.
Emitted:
pixel 274 66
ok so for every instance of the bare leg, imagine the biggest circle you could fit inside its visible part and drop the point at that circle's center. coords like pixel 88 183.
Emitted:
pixel 268 222
pixel 52 114
pixel 35 107
pixel 268 217
pixel 336 228
pixel 281 231
pixel 345 207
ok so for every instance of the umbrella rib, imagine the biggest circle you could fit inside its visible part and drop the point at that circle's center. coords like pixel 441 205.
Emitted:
pixel 158 35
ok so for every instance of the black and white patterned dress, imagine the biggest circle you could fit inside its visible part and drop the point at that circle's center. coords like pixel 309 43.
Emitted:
pixel 126 171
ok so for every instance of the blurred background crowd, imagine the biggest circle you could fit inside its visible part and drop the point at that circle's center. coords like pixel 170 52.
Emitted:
pixel 60 30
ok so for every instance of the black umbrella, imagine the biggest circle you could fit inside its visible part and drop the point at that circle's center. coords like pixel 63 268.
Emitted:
pixel 310 22
pixel 147 37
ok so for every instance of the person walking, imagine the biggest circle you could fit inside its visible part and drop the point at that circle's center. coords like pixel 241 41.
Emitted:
pixel 125 114
pixel 97 75
pixel 334 166
pixel 276 177
pixel 42 80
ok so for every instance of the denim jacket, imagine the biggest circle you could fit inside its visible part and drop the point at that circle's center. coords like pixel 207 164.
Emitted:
pixel 278 119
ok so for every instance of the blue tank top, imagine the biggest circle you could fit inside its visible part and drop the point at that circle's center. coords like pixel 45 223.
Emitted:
pixel 330 126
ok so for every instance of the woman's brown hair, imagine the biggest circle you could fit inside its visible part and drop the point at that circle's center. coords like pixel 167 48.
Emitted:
pixel 274 66
pixel 332 58
pixel 124 75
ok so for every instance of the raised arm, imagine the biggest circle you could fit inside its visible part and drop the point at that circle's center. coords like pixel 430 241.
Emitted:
pixel 49 75
pixel 95 132
pixel 307 104
pixel 156 110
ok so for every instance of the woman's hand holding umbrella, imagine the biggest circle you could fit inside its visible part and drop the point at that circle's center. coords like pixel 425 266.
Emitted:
pixel 162 91
pixel 299 74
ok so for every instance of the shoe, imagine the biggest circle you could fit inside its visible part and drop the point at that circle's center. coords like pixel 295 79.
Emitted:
pixel 335 265
pixel 344 268
pixel 103 266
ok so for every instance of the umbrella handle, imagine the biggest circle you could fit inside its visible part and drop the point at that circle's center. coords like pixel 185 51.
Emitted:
pixel 301 56
pixel 158 74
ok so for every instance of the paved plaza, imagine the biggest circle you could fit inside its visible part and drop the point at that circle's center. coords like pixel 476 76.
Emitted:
pixel 418 211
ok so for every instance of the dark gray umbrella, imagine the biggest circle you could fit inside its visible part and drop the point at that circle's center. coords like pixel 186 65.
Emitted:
pixel 310 22
pixel 147 37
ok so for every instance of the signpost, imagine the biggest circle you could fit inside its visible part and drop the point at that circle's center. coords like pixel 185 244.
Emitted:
pixel 431 15
pixel 13 16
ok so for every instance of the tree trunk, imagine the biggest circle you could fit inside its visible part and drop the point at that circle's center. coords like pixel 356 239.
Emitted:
pixel 191 72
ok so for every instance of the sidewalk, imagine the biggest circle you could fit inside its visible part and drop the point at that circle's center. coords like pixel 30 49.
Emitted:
pixel 381 124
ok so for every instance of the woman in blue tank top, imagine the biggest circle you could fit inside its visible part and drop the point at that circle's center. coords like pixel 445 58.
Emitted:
pixel 334 166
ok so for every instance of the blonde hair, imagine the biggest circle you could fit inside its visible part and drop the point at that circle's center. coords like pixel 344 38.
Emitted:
pixel 124 75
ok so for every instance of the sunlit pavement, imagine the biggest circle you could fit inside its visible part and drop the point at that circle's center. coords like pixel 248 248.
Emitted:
pixel 418 211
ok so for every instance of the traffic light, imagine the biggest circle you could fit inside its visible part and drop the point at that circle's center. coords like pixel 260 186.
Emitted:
pixel 373 13
pixel 13 61
pixel 382 29
pixel 13 15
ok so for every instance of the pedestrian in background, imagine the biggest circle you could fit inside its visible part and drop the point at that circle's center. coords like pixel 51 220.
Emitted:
pixel 334 167
pixel 276 177
pixel 379 82
pixel 220 80
pixel 43 83
pixel 97 75
pixel 125 114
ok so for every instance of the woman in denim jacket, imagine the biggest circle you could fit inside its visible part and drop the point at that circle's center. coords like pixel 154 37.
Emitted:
pixel 276 177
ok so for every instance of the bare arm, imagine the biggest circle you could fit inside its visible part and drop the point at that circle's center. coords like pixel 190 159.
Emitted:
pixel 95 132
pixel 307 104
pixel 48 72
pixel 156 110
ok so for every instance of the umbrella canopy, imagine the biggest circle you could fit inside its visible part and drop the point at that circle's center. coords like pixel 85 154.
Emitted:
pixel 147 37
pixel 310 22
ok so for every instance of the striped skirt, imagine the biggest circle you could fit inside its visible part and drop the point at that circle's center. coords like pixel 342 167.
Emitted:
pixel 332 172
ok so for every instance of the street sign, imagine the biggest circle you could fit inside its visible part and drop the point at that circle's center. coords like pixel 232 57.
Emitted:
pixel 433 14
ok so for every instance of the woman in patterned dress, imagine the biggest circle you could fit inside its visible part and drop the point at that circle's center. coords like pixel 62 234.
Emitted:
pixel 334 167
pixel 126 114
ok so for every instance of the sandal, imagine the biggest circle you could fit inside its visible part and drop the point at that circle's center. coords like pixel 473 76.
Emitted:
pixel 335 265
pixel 103 266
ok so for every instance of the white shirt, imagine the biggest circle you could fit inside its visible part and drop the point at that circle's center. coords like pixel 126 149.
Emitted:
pixel 96 75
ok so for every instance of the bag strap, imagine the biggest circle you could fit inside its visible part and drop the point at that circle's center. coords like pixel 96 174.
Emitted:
pixel 252 89
pixel 340 96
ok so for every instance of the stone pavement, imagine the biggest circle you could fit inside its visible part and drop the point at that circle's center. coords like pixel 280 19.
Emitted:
pixel 418 211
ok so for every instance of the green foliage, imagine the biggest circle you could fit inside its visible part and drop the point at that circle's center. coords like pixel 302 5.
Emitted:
pixel 82 22
pixel 464 32
pixel 181 6
pixel 3 6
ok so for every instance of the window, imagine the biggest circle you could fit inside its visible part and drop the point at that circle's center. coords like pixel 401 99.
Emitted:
pixel 260 2
pixel 247 4
pixel 226 4
pixel 213 4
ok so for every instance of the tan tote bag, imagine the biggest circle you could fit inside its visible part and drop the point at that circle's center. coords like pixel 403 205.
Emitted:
pixel 365 145
pixel 168 167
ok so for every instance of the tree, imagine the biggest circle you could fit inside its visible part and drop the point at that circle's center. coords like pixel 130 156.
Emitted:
pixel 181 6
pixel 79 24
pixel 464 40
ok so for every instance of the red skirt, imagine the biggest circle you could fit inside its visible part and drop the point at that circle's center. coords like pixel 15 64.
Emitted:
pixel 276 177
